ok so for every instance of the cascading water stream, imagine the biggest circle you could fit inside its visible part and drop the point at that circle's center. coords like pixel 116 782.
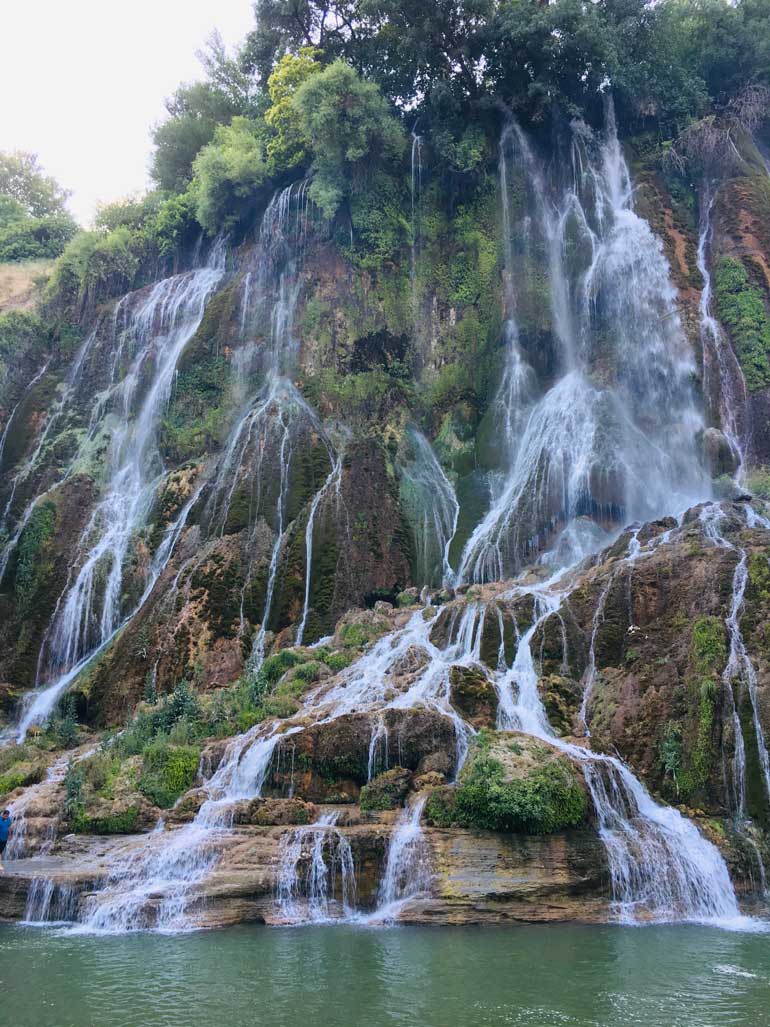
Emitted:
pixel 332 484
pixel 661 867
pixel 91 608
pixel 739 666
pixel 431 505
pixel 614 436
pixel 407 874
pixel 723 380
pixel 325 851
pixel 275 417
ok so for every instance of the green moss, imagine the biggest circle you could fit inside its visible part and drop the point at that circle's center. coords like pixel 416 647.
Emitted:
pixel 708 651
pixel 440 808
pixel 758 482
pixel 709 645
pixel 34 564
pixel 116 823
pixel 167 772
pixel 742 309
pixel 361 633
pixel 386 791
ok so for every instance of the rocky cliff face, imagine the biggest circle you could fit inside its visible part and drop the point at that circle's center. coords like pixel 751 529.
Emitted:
pixel 223 493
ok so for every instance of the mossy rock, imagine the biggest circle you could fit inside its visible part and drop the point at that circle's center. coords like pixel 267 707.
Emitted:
pixel 561 698
pixel 387 790
pixel 473 696
pixel 512 782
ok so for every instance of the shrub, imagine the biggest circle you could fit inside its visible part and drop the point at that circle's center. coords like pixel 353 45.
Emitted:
pixel 36 238
pixel 20 777
pixel 547 798
pixel 228 174
pixel 114 823
pixel 338 660
pixel 168 772
pixel 346 123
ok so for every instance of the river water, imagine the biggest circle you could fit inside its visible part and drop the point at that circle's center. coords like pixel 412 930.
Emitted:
pixel 349 976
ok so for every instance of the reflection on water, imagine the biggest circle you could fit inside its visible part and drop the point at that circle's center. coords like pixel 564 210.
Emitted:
pixel 364 977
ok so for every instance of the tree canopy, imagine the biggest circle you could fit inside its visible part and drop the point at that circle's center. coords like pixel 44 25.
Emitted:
pixel 34 222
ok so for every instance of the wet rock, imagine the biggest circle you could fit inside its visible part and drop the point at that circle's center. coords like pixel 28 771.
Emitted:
pixel 329 762
pixel 473 696
pixel 562 698
pixel 386 791
pixel 275 812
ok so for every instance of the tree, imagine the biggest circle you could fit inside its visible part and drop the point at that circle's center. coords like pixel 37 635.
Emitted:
pixel 194 113
pixel 22 178
pixel 228 174
pixel 347 125
pixel 287 146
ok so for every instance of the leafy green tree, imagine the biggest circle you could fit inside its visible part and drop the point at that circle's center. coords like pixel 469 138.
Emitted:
pixel 36 238
pixel 229 173
pixel 194 111
pixel 22 178
pixel 11 211
pixel 286 144
pixel 347 123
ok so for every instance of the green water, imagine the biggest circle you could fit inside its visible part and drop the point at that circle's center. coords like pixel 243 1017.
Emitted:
pixel 364 977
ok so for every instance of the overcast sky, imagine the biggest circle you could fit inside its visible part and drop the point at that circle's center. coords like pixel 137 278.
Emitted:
pixel 82 82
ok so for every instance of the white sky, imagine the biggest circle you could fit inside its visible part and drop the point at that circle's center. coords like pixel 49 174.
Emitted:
pixel 83 81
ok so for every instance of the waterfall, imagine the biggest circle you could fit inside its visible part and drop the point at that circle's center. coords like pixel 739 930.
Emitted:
pixel 723 383
pixel 275 420
pixel 27 389
pixel 376 763
pixel 332 483
pixel 613 437
pixel 50 903
pixel 90 610
pixel 407 874
pixel 431 506
pixel 416 228
pixel 739 666
pixel 326 851
pixel 661 867
pixel 12 526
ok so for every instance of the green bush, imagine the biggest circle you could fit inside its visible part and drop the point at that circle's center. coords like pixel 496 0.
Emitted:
pixel 36 238
pixel 168 772
pixel 20 777
pixel 548 798
pixel 758 482
pixel 228 174
pixel 338 660
pixel 346 123
pixel 742 309
pixel 115 823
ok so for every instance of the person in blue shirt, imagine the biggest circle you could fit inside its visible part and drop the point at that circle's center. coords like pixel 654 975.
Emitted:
pixel 5 828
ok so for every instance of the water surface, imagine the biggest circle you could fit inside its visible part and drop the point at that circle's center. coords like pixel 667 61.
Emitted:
pixel 350 976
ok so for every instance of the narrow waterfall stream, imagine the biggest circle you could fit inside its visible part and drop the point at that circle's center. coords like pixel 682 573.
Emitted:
pixel 723 380
pixel 407 873
pixel 309 893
